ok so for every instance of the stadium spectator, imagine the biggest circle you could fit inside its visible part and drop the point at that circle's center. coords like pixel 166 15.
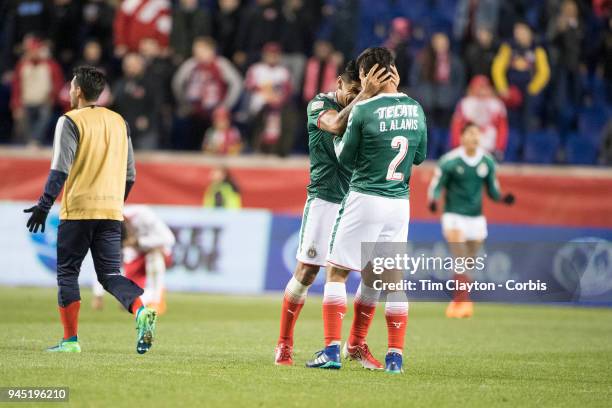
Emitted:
pixel 260 23
pixel 222 138
pixel 92 56
pixel 479 54
pixel 399 42
pixel 222 192
pixel 269 86
pixel 437 79
pixel 97 23
pixel 36 84
pixel 22 17
pixel 226 23
pixel 321 71
pixel 201 84
pixel 134 99
pixel 565 34
pixel 341 24
pixel 65 15
pixel 188 22
pixel 474 15
pixel 484 109
pixel 158 74
pixel 138 19
pixel 606 58
pixel 296 38
pixel 520 72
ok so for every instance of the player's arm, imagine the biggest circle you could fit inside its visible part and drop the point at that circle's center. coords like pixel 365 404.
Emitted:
pixel 421 151
pixel 493 189
pixel 436 185
pixel 334 122
pixel 65 145
pixel 131 167
pixel 347 146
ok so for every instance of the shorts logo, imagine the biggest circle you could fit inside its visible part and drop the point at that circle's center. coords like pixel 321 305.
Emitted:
pixel 482 170
pixel 312 252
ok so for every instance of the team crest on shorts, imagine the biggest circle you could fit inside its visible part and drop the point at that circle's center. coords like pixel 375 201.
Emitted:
pixel 312 252
pixel 482 170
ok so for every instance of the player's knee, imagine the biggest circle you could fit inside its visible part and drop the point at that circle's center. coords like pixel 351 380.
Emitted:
pixel 306 274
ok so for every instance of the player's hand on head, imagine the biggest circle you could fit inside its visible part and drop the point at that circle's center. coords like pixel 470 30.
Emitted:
pixel 433 206
pixel 375 80
pixel 395 77
pixel 508 199
pixel 37 219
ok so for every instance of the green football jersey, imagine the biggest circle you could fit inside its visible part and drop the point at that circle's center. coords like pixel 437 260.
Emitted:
pixel 384 137
pixel 328 179
pixel 463 177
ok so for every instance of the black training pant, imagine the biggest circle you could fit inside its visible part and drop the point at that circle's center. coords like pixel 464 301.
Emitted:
pixel 103 237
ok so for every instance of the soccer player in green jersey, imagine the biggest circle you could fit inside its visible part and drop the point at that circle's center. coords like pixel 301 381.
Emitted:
pixel 463 172
pixel 385 136
pixel 327 116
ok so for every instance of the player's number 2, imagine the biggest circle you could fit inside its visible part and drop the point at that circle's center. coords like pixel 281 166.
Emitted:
pixel 401 143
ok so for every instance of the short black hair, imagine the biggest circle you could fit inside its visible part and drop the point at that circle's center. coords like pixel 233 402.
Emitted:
pixel 351 73
pixel 375 55
pixel 91 81
pixel 468 125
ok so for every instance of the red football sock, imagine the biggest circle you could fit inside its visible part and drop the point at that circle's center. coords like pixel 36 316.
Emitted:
pixel 396 314
pixel 69 316
pixel 361 322
pixel 334 309
pixel 136 305
pixel 461 295
pixel 289 315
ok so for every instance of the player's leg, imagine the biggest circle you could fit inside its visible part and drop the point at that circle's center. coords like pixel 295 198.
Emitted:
pixel 353 225
pixel 293 302
pixel 73 240
pixel 391 242
pixel 155 272
pixel 317 222
pixel 334 310
pixel 454 230
pixel 106 253
pixel 364 308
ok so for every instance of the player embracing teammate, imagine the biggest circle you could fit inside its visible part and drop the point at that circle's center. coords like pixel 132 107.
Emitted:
pixel 327 116
pixel 385 135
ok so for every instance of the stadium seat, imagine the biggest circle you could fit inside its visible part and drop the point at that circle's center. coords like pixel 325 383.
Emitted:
pixel 513 149
pixel 591 122
pixel 580 150
pixel 541 147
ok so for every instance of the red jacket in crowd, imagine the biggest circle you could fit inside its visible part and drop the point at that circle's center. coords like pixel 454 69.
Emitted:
pixel 139 19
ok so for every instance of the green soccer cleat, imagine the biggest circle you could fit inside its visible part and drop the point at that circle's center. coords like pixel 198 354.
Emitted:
pixel 145 325
pixel 66 346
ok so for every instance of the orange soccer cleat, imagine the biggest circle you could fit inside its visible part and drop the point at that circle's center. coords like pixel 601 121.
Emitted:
pixel 459 310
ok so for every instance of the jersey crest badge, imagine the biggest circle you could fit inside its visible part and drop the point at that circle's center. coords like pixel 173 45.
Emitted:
pixel 312 252
pixel 316 105
pixel 460 170
pixel 482 170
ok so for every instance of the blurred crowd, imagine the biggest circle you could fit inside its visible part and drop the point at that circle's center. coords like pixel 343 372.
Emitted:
pixel 231 77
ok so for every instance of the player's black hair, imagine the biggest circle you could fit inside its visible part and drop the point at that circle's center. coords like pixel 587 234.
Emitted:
pixel 91 81
pixel 375 55
pixel 468 125
pixel 351 73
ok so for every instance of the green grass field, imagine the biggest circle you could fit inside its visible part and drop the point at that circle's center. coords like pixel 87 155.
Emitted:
pixel 214 350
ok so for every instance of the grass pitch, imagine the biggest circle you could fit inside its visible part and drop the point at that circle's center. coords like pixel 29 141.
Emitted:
pixel 218 350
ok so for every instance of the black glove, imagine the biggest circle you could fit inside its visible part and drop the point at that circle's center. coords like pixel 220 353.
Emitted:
pixel 508 199
pixel 433 206
pixel 37 219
